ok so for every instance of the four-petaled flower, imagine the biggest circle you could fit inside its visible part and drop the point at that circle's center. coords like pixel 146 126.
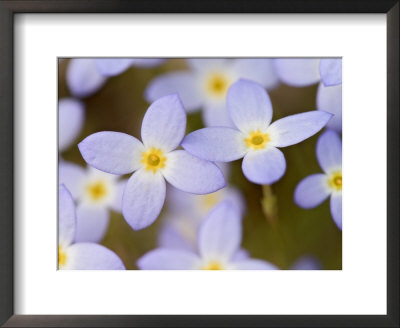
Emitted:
pixel 79 256
pixel 155 160
pixel 254 138
pixel 206 84
pixel 314 189
pixel 219 240
pixel 95 192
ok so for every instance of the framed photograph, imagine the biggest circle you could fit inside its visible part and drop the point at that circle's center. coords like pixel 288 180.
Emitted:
pixel 184 165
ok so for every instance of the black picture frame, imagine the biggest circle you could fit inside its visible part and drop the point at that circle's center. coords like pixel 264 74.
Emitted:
pixel 10 7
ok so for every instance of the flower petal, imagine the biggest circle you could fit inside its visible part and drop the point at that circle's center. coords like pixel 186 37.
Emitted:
pixel 116 203
pixel 148 62
pixel 191 174
pixel 298 72
pixel 249 105
pixel 201 64
pixel 264 167
pixel 183 83
pixel 66 216
pixel 113 66
pixel 72 176
pixel 216 114
pixel 311 191
pixel 331 71
pixel 90 256
pixel 218 144
pixel 220 233
pixel 170 237
pixel 71 117
pixel 164 123
pixel 306 263
pixel 91 223
pixel 112 152
pixel 329 99
pixel 168 259
pixel 83 78
pixel 336 209
pixel 253 264
pixel 260 70
pixel 143 198
pixel 329 151
pixel 293 129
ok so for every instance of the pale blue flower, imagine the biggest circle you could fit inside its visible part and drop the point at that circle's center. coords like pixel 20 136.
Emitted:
pixel 206 84
pixel 83 78
pixel 96 193
pixel 116 66
pixel 155 160
pixel 79 256
pixel 327 71
pixel 315 188
pixel 71 117
pixel 185 212
pixel 254 138
pixel 219 240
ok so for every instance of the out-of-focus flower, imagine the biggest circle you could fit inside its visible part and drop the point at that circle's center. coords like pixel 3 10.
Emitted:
pixel 116 66
pixel 314 189
pixel 186 212
pixel 155 160
pixel 206 84
pixel 83 78
pixel 219 240
pixel 79 256
pixel 254 138
pixel 304 72
pixel 306 263
pixel 71 117
pixel 95 192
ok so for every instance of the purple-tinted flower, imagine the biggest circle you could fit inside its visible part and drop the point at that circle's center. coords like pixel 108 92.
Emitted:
pixel 79 256
pixel 314 189
pixel 116 66
pixel 206 84
pixel 155 160
pixel 185 212
pixel 304 72
pixel 95 192
pixel 306 263
pixel 254 138
pixel 219 240
pixel 83 78
pixel 71 116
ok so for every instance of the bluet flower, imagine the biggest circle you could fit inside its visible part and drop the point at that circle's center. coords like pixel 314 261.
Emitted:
pixel 315 188
pixel 116 66
pixel 254 138
pixel 219 240
pixel 155 160
pixel 95 192
pixel 71 116
pixel 206 84
pixel 79 256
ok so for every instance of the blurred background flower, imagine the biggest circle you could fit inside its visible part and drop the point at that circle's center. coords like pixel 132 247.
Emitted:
pixel 275 229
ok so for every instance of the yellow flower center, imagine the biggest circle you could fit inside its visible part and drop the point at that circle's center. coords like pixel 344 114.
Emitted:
pixel 97 190
pixel 153 159
pixel 217 85
pixel 213 266
pixel 257 140
pixel 335 181
pixel 62 257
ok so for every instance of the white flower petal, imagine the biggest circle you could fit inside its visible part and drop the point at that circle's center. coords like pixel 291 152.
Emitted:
pixel 72 176
pixel 113 66
pixel 71 117
pixel 143 198
pixel 91 223
pixel 336 209
pixel 329 99
pixel 311 191
pixel 329 151
pixel 216 115
pixel 66 217
pixel 298 72
pixel 252 264
pixel 168 259
pixel 260 70
pixel 116 202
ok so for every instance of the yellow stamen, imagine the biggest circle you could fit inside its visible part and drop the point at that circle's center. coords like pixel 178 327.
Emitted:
pixel 62 257
pixel 153 159
pixel 257 140
pixel 217 85
pixel 97 190
pixel 335 181
pixel 213 266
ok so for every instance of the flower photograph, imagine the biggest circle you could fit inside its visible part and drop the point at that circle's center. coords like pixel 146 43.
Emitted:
pixel 199 163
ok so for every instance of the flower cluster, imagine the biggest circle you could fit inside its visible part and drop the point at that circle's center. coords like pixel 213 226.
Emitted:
pixel 202 225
